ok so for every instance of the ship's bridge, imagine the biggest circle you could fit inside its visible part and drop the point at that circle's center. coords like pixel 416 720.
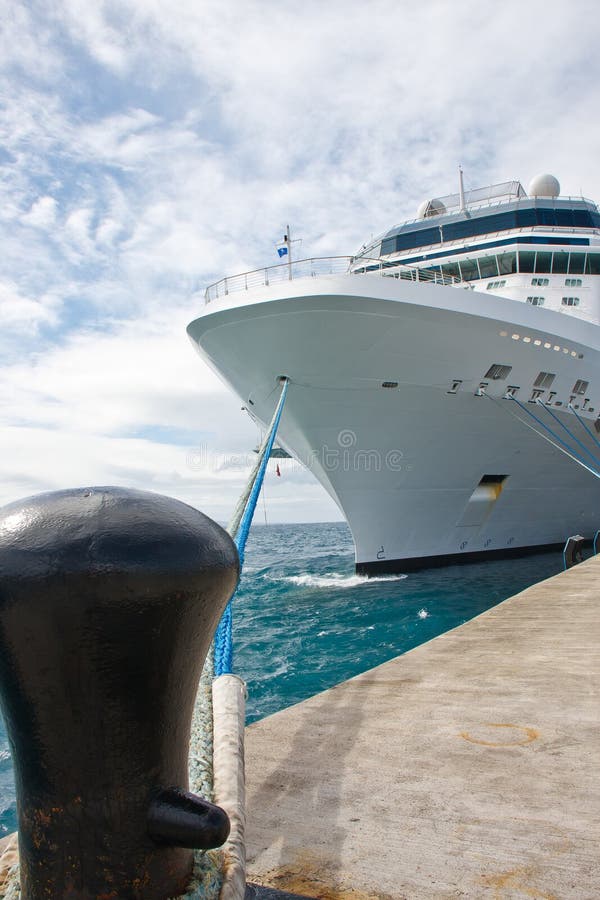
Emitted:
pixel 485 211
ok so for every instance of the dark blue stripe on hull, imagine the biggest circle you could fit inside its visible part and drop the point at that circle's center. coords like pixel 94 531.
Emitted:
pixel 414 563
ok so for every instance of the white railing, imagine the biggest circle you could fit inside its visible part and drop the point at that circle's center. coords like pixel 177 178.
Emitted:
pixel 327 265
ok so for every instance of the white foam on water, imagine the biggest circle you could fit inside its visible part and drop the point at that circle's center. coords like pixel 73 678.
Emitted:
pixel 334 580
pixel 423 614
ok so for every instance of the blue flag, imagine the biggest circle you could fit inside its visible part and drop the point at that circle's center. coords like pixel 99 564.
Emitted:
pixel 282 251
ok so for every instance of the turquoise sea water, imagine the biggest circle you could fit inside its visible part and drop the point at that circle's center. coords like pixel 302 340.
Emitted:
pixel 303 621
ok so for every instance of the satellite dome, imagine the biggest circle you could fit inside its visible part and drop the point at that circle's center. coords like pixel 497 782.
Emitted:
pixel 430 208
pixel 544 186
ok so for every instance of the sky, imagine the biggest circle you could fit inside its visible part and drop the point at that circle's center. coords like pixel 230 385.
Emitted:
pixel 148 149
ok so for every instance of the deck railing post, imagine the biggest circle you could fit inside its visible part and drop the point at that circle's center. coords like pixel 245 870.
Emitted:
pixel 108 602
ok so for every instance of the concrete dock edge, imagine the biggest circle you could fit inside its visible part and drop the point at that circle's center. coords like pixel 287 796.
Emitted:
pixel 466 767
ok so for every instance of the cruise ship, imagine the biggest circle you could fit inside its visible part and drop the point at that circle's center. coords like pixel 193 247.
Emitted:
pixel 444 382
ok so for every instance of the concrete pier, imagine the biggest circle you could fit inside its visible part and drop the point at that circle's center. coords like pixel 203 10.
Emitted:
pixel 466 767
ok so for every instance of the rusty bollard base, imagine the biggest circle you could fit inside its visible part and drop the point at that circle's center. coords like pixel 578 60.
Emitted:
pixel 108 602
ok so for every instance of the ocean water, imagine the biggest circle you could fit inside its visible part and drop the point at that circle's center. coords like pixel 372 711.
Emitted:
pixel 304 621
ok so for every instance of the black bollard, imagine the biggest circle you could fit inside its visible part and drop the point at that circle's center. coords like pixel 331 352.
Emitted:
pixel 108 602
pixel 573 550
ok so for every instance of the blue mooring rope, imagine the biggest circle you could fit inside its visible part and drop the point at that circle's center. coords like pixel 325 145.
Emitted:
pixel 580 420
pixel 224 634
pixel 569 432
pixel 570 451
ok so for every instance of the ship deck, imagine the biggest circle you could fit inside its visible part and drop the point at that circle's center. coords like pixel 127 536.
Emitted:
pixel 466 767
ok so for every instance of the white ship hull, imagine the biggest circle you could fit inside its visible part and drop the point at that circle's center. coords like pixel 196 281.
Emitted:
pixel 423 475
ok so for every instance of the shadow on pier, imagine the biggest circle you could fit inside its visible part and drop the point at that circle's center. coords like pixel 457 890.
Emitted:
pixel 303 791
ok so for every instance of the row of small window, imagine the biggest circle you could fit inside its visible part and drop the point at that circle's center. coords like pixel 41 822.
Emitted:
pixel 566 301
pixel 536 282
pixel 544 282
pixel 560 262
pixel 537 342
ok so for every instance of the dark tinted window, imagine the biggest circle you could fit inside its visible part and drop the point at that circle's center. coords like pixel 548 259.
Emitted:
pixel 543 261
pixel 594 264
pixel 560 261
pixel 526 260
pixel 451 269
pixel 576 263
pixel 581 218
pixel 527 217
pixel 507 263
pixel 521 218
pixel 412 239
pixel 488 266
pixel 457 230
pixel 469 269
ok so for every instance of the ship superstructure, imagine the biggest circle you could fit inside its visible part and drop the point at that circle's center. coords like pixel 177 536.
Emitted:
pixel 445 381
pixel 532 246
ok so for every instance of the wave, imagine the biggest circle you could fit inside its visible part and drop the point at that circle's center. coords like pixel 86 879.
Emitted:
pixel 334 580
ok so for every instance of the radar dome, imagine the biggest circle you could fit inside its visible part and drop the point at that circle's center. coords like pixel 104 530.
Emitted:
pixel 544 186
pixel 430 208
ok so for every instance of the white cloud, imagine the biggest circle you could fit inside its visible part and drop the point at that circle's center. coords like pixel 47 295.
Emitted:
pixel 87 23
pixel 26 43
pixel 42 213
pixel 19 313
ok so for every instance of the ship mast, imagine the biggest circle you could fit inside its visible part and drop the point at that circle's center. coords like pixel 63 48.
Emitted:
pixel 461 189
pixel 288 243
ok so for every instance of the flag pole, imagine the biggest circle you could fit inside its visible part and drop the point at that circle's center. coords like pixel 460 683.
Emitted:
pixel 288 241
